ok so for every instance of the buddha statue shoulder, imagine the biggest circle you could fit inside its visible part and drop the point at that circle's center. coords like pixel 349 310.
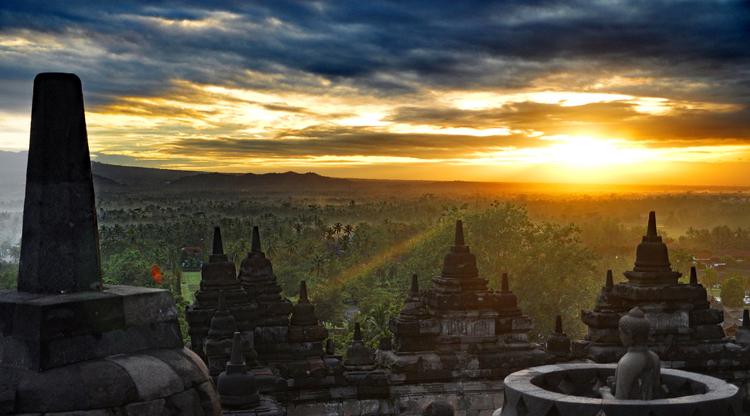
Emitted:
pixel 638 373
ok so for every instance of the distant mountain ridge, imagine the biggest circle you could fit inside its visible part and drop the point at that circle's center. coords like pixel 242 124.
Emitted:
pixel 283 180
pixel 123 178
pixel 115 178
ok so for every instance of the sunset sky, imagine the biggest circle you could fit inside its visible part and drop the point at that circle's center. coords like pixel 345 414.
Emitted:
pixel 628 91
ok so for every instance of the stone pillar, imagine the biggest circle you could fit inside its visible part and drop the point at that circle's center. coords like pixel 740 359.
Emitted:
pixel 60 250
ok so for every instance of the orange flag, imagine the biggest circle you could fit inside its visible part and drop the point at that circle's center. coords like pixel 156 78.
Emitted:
pixel 156 274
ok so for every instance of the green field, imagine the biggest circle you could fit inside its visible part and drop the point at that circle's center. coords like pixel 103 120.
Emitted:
pixel 190 283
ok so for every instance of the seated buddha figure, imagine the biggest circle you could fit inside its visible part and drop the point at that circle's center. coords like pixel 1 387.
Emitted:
pixel 638 373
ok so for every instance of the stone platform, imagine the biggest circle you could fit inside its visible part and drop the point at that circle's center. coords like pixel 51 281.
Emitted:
pixel 42 331
pixel 166 382
pixel 118 350
pixel 478 398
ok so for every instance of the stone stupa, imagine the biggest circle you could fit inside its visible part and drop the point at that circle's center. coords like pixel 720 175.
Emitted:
pixel 69 343
pixel 219 276
pixel 272 318
pixel 686 332
pixel 684 327
pixel 459 329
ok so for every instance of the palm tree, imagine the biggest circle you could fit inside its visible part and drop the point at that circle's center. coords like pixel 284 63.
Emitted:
pixel 290 246
pixel 318 267
pixel 377 322
pixel 270 247
pixel 348 229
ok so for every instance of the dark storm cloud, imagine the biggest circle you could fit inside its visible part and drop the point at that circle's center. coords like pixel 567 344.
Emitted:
pixel 436 44
pixel 363 51
pixel 345 141
pixel 613 117
pixel 522 115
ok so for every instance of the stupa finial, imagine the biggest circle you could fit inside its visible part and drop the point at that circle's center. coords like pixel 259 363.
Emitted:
pixel 303 292
pixel 504 286
pixel 414 289
pixel 651 230
pixel 610 282
pixel 218 246
pixel 236 357
pixel 459 239
pixel 255 246
pixel 357 332
pixel 558 324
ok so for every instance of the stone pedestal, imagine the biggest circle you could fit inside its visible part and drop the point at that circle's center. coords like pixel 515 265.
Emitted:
pixel 41 331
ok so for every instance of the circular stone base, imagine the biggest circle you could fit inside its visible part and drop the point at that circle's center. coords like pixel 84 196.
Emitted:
pixel 567 390
pixel 156 382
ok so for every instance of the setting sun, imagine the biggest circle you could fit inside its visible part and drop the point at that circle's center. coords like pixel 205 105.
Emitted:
pixel 584 151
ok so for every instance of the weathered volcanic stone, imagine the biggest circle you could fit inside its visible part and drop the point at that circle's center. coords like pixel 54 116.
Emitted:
pixel 683 325
pixel 459 329
pixel 218 343
pixel 219 275
pixel 256 276
pixel 558 344
pixel 406 326
pixel 358 355
pixel 304 327
pixel 67 344
pixel 60 251
pixel 47 331
pixel 236 385
pixel 272 323
pixel 686 332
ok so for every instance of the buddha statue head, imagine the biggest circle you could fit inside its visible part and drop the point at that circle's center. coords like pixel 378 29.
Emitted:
pixel 634 328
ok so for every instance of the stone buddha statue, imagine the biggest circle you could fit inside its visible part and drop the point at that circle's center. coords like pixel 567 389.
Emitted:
pixel 638 373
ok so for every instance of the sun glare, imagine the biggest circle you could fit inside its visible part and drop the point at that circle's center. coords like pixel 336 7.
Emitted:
pixel 584 151
pixel 573 152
